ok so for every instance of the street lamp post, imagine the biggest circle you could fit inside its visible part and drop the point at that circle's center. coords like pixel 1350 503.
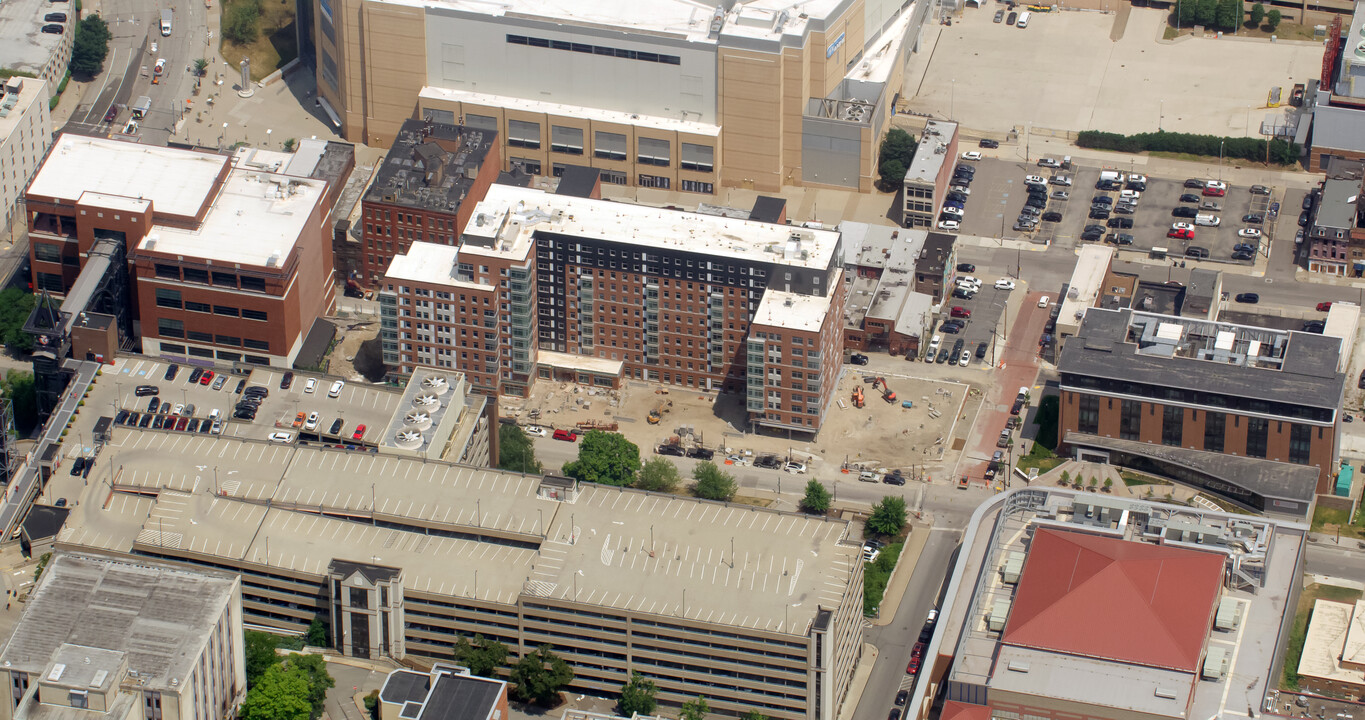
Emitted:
pixel 1220 160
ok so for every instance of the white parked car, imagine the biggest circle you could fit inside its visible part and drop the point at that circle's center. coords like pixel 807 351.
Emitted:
pixel 796 468
pixel 1249 233
pixel 965 359
pixel 971 155
pixel 1004 284
pixel 950 225
pixel 950 210
pixel 178 409
pixel 868 476
pixel 1034 180
pixel 1048 162
pixel 312 422
pixel 1132 195
pixel 962 189
pixel 1182 226
pixel 1043 301
pixel 281 437
pixel 969 280
pixel 1063 180
pixel 737 460
pixel 310 385
pixel 537 431
pixel 1217 185
pixel 336 388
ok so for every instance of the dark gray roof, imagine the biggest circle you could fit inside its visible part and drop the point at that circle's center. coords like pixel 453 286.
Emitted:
pixel 1338 207
pixel 578 181
pixel 937 247
pixel 373 573
pixel 1309 377
pixel 1338 128
pixel 768 209
pixel 1266 478
pixel 316 343
pixel 516 178
pixel 462 697
pixel 403 686
pixel 402 178
pixel 1202 284
pixel 44 521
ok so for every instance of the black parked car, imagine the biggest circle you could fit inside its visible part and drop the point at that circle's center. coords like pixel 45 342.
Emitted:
pixel 1099 212
pixel 55 17
pixel 1191 198
pixel 194 376
pixel 966 267
pixel 153 404
pixel 1184 211
pixel 1315 326
pixel 53 29
pixel 858 359
pixel 1195 184
pixel 145 390
pixel 769 462
pixel 1052 217
pixel 989 143
pixel 1120 223
pixel 1243 255
pixel 78 466
pixel 1255 218
pixel 981 348
pixel 701 453
pixel 670 450
pixel 1307 202
pixel 1092 233
pixel 171 372
pixel 894 477
pixel 1304 217
pixel 1249 298
pixel 287 380
pixel 336 427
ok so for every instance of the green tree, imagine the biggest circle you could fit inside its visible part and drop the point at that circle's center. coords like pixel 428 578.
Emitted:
pixel 660 475
pixel 888 515
pixel 17 386
pixel 515 451
pixel 289 144
pixel 483 657
pixel 317 633
pixel 637 696
pixel 816 500
pixel 314 671
pixel 1257 14
pixel 15 307
pixel 1046 420
pixel 1207 13
pixel 201 66
pixel 1187 12
pixel 694 709
pixel 753 715
pixel 372 704
pixel 43 560
pixel 540 675
pixel 897 150
pixel 280 693
pixel 1108 484
pixel 605 457
pixel 1066 478
pixel 712 483
pixel 1272 19
pixel 90 47
pixel 260 654
pixel 241 22
pixel 1228 15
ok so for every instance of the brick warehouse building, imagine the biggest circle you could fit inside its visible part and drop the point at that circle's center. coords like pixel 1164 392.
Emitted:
pixel 430 180
pixel 565 287
pixel 227 257
pixel 1249 414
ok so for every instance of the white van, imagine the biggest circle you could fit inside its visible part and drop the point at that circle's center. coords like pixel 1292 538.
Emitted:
pixel 1206 219
pixel 934 345
pixel 1022 22
pixel 165 23
pixel 1111 175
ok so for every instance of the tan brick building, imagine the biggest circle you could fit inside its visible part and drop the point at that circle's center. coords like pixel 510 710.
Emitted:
pixel 655 93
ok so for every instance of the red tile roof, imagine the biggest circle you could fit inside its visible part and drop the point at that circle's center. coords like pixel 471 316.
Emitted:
pixel 1115 599
pixel 954 710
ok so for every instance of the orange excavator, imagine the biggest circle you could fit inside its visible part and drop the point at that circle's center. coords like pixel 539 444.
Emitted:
pixel 858 396
pixel 880 384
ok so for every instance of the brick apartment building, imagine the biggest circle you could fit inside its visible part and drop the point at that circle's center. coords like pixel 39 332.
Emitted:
pixel 1247 413
pixel 430 180
pixel 570 287
pixel 227 258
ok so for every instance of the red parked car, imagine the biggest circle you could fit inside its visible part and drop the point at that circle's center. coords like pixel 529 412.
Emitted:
pixel 1182 234
pixel 960 312
pixel 566 435
pixel 1214 192
pixel 913 667
pixel 206 378
pixel 359 432
pixel 1324 306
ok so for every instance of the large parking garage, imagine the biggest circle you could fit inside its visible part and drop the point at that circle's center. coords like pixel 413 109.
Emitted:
pixel 151 395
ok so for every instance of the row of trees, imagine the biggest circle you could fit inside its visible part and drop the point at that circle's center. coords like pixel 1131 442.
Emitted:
pixel 1244 148
pixel 1224 15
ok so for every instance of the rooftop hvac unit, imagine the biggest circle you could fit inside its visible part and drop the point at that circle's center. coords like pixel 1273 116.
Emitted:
pixel 417 420
pixel 1000 612
pixel 408 439
pixel 426 400
pixel 435 384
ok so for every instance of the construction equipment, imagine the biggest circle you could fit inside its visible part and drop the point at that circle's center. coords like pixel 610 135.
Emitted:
pixel 657 412
pixel 880 384
pixel 858 396
pixel 596 425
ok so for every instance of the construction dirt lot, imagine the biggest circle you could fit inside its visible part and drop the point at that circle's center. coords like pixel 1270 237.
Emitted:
pixel 917 440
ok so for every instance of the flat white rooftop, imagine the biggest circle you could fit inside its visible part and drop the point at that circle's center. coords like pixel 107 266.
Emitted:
pixel 685 19
pixel 579 111
pixel 509 216
pixel 794 311
pixel 1087 280
pixel 33 91
pixel 178 182
pixel 1335 632
pixel 425 262
pixel 932 152
pixel 255 220
pixel 586 363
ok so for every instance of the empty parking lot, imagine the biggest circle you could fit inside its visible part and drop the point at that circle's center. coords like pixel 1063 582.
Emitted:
pixel 1065 72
